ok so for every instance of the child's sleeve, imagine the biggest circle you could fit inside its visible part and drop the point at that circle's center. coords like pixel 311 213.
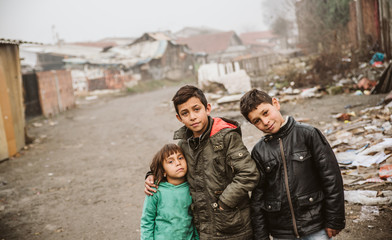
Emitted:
pixel 257 215
pixel 147 223
pixel 331 180
pixel 245 173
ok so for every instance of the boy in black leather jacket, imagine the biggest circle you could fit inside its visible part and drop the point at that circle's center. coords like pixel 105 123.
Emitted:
pixel 300 193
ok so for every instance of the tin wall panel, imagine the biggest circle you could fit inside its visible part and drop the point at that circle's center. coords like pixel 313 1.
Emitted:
pixel 11 100
pixel 56 92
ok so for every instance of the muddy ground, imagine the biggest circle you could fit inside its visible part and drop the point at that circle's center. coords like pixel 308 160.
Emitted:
pixel 83 176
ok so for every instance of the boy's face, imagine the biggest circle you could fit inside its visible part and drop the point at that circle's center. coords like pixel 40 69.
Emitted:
pixel 194 115
pixel 175 168
pixel 267 117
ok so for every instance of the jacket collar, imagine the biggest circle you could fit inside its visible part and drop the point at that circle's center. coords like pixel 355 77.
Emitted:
pixel 184 132
pixel 283 131
pixel 214 126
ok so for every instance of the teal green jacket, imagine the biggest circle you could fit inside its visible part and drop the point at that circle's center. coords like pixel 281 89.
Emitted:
pixel 167 215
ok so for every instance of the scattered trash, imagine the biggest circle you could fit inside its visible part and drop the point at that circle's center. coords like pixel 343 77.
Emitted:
pixel 93 97
pixel 344 116
pixel 310 92
pixel 53 123
pixel 37 124
pixel 368 213
pixel 368 197
pixel 335 90
pixel 377 58
pixel 385 171
pixel 366 84
pixel 229 99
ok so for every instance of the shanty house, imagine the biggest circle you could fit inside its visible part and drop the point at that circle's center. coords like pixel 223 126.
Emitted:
pixel 12 121
pixel 260 41
pixel 152 56
pixel 51 57
pixel 47 85
pixel 217 46
pixel 193 31
pixel 155 56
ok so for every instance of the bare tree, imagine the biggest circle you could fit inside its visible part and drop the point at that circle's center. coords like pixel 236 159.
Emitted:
pixel 323 24
pixel 280 16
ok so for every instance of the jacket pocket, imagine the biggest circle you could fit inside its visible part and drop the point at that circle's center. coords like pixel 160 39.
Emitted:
pixel 302 166
pixel 310 199
pixel 310 207
pixel 301 156
pixel 229 220
pixel 242 154
pixel 269 166
pixel 270 205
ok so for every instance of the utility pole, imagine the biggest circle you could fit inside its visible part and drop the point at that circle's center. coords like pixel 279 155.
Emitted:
pixel 360 32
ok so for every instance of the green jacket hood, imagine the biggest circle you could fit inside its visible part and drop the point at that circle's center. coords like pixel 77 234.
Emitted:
pixel 214 126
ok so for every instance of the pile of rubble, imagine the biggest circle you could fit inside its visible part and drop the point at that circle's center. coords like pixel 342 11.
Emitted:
pixel 305 77
pixel 363 147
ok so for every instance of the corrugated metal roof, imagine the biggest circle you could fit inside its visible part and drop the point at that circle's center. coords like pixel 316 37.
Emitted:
pixel 128 56
pixel 65 49
pixel 160 36
pixel 15 41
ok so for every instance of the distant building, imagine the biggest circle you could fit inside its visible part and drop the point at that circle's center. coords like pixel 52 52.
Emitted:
pixel 214 45
pixel 194 31
pixel 119 41
pixel 158 56
pixel 261 41
pixel 50 57
pixel 152 56
pixel 155 36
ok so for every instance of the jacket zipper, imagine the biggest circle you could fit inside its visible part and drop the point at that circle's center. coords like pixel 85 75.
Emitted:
pixel 286 180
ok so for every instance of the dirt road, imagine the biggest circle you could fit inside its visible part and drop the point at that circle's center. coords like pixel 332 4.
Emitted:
pixel 83 177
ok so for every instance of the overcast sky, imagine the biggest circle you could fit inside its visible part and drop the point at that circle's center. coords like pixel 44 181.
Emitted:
pixel 91 20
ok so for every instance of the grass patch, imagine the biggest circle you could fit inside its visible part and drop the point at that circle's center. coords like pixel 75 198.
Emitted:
pixel 150 85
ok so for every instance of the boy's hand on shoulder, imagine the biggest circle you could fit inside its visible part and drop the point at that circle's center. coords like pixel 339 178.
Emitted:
pixel 222 206
pixel 148 186
pixel 331 232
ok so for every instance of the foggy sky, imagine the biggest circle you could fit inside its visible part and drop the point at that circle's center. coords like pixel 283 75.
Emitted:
pixel 91 20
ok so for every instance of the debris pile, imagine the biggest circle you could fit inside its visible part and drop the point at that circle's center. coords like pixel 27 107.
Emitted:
pixel 330 73
pixel 310 76
pixel 363 148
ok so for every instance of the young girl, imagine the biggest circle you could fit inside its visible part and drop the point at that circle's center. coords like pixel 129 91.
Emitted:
pixel 166 214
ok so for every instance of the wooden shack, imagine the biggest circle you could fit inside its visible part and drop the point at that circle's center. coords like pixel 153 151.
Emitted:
pixel 12 120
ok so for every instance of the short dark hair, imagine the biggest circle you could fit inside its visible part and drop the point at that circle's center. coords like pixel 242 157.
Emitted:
pixel 185 93
pixel 156 166
pixel 251 100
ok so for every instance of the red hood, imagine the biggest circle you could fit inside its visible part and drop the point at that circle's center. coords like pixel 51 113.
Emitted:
pixel 220 124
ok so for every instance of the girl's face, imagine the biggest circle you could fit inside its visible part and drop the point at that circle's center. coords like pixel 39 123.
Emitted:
pixel 175 168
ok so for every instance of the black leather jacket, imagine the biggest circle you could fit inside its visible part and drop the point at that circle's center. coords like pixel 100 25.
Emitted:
pixel 302 196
